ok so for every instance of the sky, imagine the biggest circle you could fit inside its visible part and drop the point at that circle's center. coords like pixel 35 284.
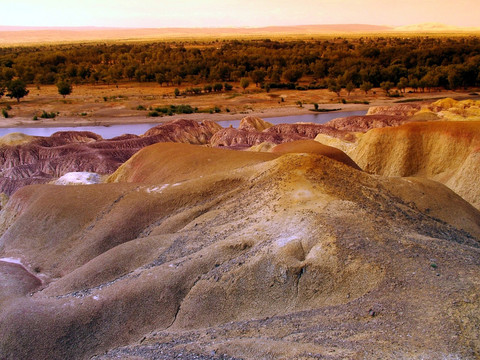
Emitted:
pixel 236 13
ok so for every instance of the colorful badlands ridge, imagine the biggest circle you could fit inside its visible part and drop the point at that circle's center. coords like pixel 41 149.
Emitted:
pixel 197 252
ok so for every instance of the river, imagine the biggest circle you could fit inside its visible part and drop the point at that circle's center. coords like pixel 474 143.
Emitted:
pixel 108 132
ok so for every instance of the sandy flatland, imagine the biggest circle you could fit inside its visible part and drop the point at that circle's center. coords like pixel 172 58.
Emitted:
pixel 109 104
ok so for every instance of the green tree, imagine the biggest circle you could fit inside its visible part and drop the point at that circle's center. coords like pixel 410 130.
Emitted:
pixel 366 86
pixel 258 76
pixel 160 78
pixel 244 82
pixel 64 88
pixel 454 78
pixel 292 75
pixel 350 87
pixel 17 89
pixel 402 84
pixel 334 86
pixel 387 86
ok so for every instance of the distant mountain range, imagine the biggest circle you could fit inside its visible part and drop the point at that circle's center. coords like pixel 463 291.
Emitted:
pixel 24 34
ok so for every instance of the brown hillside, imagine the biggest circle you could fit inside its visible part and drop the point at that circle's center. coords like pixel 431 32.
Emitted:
pixel 314 147
pixel 253 256
pixel 443 151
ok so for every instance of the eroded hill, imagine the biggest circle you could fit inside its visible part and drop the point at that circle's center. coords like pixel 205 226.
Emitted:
pixel 279 256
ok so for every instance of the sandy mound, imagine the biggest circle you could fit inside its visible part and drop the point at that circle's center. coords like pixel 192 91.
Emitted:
pixel 453 110
pixel 347 146
pixel 443 151
pixel 314 147
pixel 172 163
pixel 262 147
pixel 252 255
pixel 253 123
pixel 13 139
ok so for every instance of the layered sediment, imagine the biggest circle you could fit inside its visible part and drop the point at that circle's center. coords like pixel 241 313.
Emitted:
pixel 190 250
pixel 243 255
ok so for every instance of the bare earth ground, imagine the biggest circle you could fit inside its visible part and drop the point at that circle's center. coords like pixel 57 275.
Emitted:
pixel 111 104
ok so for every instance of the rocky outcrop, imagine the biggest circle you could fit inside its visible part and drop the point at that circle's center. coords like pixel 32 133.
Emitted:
pixel 452 110
pixel 185 131
pixel 26 160
pixel 232 138
pixel 367 122
pixel 250 255
pixel 253 123
pixel 404 110
pixel 276 134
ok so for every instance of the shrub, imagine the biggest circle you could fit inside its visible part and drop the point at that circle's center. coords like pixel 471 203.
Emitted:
pixel 46 115
pixel 5 113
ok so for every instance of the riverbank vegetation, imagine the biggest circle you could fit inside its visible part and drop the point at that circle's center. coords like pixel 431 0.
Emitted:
pixel 420 64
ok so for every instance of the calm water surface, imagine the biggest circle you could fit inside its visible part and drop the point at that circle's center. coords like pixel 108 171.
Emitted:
pixel 108 132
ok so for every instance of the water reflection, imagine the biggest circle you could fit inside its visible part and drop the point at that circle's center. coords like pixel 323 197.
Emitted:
pixel 108 132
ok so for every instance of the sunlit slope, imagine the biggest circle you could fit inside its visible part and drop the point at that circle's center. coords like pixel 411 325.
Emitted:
pixel 245 254
pixel 173 162
pixel 444 151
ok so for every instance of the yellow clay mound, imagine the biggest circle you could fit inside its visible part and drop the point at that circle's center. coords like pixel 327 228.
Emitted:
pixel 262 147
pixel 314 147
pixel 172 162
pixel 453 110
pixel 254 123
pixel 436 150
pixel 444 104
pixel 346 146
pixel 15 139
pixel 425 114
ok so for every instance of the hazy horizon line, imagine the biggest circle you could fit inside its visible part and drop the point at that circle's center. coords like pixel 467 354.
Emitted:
pixel 100 27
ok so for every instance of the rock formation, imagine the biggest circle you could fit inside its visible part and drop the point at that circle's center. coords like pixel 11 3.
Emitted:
pixel 225 254
pixel 253 123
pixel 447 152
pixel 367 122
pixel 404 110
pixel 314 147
pixel 277 134
pixel 27 160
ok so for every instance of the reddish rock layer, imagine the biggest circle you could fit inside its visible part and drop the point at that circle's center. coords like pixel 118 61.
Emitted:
pixel 276 134
pixel 396 110
pixel 365 123
pixel 45 158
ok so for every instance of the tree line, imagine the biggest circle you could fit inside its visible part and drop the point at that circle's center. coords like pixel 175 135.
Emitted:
pixel 420 63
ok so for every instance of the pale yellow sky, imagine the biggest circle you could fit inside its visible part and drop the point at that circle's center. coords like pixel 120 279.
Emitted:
pixel 234 13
